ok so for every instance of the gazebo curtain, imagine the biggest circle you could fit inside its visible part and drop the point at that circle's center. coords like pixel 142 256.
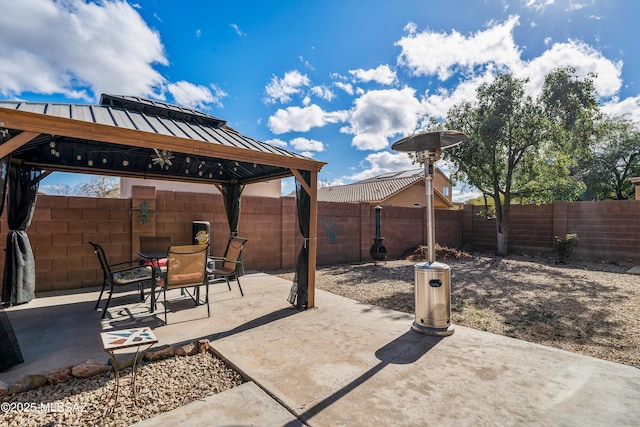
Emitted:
pixel 19 282
pixel 231 195
pixel 10 354
pixel 299 290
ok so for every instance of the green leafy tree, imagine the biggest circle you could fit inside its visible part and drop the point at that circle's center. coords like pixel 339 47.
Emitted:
pixel 521 147
pixel 616 159
pixel 99 186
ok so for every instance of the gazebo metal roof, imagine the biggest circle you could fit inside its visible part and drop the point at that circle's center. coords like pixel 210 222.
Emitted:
pixel 126 136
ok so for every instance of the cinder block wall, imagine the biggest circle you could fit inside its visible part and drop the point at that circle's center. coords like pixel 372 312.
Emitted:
pixel 607 230
pixel 62 228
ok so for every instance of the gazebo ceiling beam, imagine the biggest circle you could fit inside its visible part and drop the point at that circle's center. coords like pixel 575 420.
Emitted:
pixel 16 142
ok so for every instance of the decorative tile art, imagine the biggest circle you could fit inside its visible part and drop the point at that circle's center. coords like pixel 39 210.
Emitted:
pixel 127 338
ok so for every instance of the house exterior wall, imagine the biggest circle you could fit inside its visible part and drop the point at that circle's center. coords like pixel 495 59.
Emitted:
pixel 636 182
pixel 265 189
pixel 416 194
pixel 62 227
pixel 443 185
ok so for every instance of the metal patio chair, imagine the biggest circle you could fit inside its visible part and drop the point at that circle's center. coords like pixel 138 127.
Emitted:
pixel 186 268
pixel 231 264
pixel 114 275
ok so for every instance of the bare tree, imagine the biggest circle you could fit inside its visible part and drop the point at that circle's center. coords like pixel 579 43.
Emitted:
pixel 98 186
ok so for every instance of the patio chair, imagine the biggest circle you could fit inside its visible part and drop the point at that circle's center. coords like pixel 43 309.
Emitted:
pixel 115 276
pixel 230 263
pixel 186 268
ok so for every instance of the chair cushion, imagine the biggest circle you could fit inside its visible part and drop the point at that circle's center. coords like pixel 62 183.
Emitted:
pixel 130 275
pixel 162 263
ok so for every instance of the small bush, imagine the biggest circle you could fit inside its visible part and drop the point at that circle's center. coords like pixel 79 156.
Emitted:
pixel 564 246
pixel 442 253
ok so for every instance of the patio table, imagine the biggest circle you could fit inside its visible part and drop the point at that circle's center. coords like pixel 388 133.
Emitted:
pixel 118 340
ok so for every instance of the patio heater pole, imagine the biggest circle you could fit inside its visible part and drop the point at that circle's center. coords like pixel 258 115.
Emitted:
pixel 431 238
pixel 432 279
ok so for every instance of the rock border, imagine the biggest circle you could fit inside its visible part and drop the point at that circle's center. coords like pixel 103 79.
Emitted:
pixel 91 367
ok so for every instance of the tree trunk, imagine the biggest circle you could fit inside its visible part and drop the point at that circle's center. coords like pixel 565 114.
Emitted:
pixel 502 226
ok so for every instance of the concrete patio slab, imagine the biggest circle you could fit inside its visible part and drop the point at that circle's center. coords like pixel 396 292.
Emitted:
pixel 634 270
pixel 244 405
pixel 348 363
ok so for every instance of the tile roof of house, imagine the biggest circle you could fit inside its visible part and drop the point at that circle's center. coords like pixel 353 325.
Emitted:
pixel 376 189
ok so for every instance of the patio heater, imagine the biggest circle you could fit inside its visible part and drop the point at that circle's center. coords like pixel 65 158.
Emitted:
pixel 432 279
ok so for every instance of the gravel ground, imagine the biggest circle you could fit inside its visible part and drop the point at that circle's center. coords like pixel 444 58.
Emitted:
pixel 584 307
pixel 81 402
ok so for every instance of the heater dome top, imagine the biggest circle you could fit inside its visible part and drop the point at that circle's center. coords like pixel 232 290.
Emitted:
pixel 429 141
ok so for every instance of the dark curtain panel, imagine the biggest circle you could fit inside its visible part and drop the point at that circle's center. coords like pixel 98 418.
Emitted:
pixel 10 354
pixel 299 290
pixel 19 269
pixel 231 196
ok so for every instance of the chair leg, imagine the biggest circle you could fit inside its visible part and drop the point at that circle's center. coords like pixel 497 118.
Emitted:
pixel 100 296
pixel 238 280
pixel 206 298
pixel 104 313
pixel 165 305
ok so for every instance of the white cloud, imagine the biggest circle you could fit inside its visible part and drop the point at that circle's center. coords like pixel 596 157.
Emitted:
pixel 334 182
pixel 195 96
pixel 380 114
pixel 439 103
pixel 306 63
pixel 628 108
pixel 538 5
pixel 345 87
pixel 431 53
pixel 277 142
pixel 493 50
pixel 323 92
pixel 461 194
pixel 383 162
pixel 282 89
pixel 303 119
pixel 575 54
pixel 238 30
pixel 78 49
pixel 304 144
pixel 382 74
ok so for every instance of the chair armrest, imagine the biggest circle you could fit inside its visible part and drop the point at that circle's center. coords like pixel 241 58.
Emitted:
pixel 133 261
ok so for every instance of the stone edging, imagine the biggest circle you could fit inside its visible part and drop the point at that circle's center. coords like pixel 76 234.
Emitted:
pixel 90 367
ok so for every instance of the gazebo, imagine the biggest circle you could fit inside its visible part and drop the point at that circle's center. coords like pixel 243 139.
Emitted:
pixel 128 136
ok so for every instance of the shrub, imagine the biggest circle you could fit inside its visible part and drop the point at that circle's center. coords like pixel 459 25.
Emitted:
pixel 564 246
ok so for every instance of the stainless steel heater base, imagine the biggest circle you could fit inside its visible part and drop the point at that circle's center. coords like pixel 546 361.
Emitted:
pixel 436 332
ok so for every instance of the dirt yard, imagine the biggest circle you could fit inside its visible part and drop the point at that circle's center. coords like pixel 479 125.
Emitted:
pixel 585 307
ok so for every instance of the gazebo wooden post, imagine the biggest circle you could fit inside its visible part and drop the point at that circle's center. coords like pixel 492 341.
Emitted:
pixel 313 239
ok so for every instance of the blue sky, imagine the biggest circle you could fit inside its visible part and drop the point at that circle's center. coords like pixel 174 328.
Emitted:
pixel 338 80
